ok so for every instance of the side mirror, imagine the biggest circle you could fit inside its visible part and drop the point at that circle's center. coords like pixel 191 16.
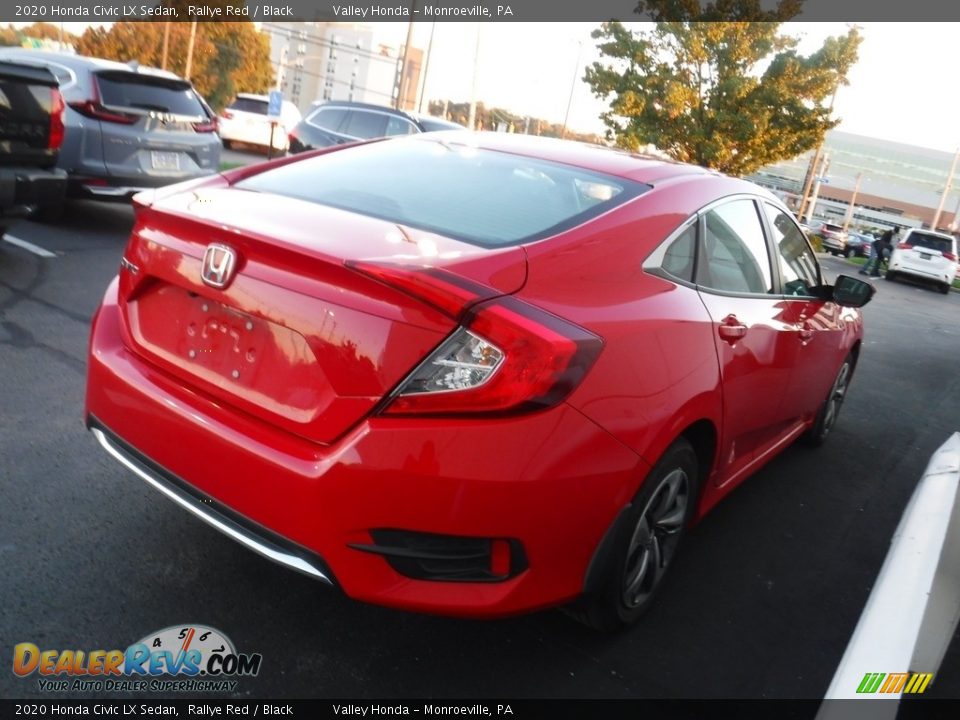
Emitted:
pixel 851 292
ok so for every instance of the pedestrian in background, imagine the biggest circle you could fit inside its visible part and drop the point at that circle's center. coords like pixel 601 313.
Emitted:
pixel 879 251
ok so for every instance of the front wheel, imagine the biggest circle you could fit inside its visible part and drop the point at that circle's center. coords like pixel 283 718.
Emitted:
pixel 849 253
pixel 646 542
pixel 830 410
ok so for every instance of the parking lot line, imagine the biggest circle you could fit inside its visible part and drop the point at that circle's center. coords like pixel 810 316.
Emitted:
pixel 29 246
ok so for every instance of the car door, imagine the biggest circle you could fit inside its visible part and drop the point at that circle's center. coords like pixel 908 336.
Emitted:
pixel 819 324
pixel 755 340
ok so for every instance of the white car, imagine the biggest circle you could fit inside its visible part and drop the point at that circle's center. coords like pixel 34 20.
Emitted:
pixel 925 255
pixel 246 121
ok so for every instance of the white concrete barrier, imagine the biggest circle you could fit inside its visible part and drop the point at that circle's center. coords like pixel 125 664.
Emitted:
pixel 911 614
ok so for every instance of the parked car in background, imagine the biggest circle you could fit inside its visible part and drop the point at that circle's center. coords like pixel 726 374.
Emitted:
pixel 336 122
pixel 246 120
pixel 31 132
pixel 834 237
pixel 925 255
pixel 858 244
pixel 483 373
pixel 127 127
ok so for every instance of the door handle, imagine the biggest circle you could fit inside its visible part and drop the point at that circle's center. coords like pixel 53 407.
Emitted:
pixel 731 329
pixel 806 333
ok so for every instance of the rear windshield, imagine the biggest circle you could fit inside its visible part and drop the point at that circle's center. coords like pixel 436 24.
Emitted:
pixel 487 198
pixel 250 105
pixel 136 91
pixel 919 239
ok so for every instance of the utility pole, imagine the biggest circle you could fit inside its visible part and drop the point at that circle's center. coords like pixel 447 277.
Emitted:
pixel 406 57
pixel 816 188
pixel 853 201
pixel 193 37
pixel 573 86
pixel 166 45
pixel 816 158
pixel 426 66
pixel 946 190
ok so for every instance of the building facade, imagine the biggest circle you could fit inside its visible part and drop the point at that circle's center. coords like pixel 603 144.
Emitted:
pixel 898 184
pixel 320 61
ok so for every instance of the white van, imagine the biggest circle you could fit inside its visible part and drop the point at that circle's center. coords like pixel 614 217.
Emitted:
pixel 925 255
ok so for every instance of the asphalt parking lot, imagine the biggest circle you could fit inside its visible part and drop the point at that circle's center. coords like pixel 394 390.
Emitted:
pixel 760 604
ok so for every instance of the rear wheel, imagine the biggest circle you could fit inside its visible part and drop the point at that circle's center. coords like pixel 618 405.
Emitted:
pixel 646 543
pixel 891 275
pixel 830 410
pixel 228 144
pixel 849 253
pixel 945 288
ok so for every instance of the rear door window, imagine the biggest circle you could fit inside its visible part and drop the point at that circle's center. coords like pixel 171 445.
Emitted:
pixel 135 91
pixel 329 119
pixel 399 126
pixel 363 124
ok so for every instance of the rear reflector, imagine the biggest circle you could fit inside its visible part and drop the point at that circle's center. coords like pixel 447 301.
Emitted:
pixel 904 246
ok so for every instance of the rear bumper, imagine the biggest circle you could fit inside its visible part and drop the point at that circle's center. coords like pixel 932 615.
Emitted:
pixel 940 272
pixel 21 189
pixel 121 189
pixel 551 482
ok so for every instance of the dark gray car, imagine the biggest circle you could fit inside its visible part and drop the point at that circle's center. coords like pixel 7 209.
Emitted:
pixel 127 127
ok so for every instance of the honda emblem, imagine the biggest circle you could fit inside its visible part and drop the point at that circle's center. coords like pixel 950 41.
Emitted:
pixel 219 264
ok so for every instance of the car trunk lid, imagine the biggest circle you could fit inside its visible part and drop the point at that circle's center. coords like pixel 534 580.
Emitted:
pixel 296 338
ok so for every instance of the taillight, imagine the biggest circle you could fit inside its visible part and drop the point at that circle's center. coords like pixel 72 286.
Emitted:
pixel 950 256
pixel 227 115
pixel 93 109
pixel 904 246
pixel 204 127
pixel 55 137
pixel 506 357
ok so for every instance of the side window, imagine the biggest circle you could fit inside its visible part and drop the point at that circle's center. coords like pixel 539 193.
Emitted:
pixel 675 256
pixel 399 126
pixel 734 255
pixel 798 264
pixel 364 125
pixel 328 119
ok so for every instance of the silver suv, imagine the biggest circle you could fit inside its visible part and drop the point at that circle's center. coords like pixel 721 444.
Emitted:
pixel 127 127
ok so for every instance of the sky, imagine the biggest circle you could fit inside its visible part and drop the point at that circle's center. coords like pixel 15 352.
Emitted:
pixel 904 87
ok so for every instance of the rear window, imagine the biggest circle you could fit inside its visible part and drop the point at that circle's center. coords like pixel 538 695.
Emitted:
pixel 483 197
pixel 328 118
pixel 934 242
pixel 250 105
pixel 363 124
pixel 135 91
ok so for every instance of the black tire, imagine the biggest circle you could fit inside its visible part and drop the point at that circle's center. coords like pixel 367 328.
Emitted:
pixel 849 253
pixel 646 542
pixel 945 289
pixel 830 409
pixel 890 275
pixel 228 144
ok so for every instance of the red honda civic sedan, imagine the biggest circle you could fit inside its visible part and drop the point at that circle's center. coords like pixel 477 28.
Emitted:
pixel 467 374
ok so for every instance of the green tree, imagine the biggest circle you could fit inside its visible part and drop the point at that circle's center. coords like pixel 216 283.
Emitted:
pixel 228 57
pixel 733 96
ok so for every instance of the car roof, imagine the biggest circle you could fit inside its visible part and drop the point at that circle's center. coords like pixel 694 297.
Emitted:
pixel 252 96
pixel 598 158
pixel 78 62
pixel 945 236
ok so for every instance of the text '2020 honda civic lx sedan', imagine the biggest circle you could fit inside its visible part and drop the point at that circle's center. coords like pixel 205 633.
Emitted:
pixel 467 374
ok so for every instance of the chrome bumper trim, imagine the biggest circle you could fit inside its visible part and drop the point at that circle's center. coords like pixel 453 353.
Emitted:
pixel 215 519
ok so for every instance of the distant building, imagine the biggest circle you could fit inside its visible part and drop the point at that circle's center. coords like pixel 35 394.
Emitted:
pixel 318 61
pixel 901 184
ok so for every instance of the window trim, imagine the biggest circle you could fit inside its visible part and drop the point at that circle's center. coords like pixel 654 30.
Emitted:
pixel 655 267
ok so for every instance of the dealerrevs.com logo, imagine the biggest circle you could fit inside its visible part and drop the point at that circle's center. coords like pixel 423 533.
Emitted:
pixel 201 659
